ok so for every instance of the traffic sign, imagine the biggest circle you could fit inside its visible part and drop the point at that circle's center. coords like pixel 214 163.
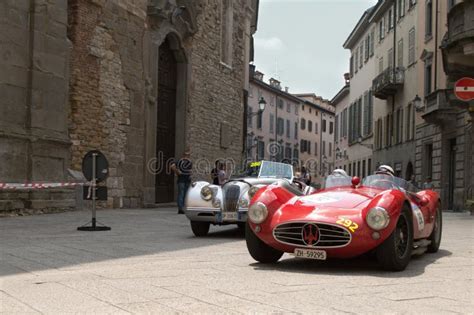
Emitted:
pixel 102 166
pixel 464 89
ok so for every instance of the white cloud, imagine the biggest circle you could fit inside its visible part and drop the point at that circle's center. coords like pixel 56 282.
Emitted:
pixel 272 43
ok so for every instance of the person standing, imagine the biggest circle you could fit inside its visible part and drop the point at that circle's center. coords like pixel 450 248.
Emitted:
pixel 215 173
pixel 222 174
pixel 183 169
pixel 428 184
pixel 305 176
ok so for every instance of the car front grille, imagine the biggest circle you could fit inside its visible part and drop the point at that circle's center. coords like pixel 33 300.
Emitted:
pixel 231 198
pixel 328 235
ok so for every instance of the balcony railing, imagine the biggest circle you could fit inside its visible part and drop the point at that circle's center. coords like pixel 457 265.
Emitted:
pixel 388 82
pixel 437 110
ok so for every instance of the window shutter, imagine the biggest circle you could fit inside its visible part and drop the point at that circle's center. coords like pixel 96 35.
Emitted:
pixel 366 114
pixel 400 53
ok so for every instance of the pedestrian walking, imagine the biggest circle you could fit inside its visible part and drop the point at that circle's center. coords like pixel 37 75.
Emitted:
pixel 183 169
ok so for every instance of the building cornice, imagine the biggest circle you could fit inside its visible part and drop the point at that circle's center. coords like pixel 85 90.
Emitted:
pixel 359 29
pixel 343 92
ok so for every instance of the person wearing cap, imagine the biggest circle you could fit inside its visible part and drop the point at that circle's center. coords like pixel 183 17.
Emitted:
pixel 183 169
pixel 385 170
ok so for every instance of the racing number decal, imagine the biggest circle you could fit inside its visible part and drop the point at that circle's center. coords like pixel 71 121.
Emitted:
pixel 352 226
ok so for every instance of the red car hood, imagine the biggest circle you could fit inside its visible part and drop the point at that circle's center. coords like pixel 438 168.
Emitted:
pixel 340 198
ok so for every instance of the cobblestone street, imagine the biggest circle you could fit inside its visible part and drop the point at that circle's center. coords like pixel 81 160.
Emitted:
pixel 151 263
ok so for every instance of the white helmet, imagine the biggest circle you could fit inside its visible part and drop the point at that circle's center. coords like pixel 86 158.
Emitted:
pixel 385 169
pixel 339 172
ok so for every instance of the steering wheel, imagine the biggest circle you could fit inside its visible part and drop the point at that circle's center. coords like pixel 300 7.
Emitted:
pixel 301 186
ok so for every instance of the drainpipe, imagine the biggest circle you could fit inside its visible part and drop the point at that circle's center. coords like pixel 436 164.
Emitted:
pixel 436 49
pixel 395 20
pixel 29 90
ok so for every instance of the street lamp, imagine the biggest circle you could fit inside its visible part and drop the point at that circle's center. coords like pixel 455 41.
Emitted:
pixel 417 103
pixel 261 104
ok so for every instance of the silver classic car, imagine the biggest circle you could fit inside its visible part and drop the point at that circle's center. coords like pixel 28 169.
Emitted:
pixel 228 204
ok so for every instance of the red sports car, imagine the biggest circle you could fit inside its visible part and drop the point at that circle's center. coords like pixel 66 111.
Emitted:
pixel 383 214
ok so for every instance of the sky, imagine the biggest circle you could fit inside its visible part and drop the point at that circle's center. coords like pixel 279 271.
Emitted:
pixel 299 42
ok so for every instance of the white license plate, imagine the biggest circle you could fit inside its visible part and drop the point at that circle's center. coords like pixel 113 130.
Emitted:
pixel 310 253
pixel 230 216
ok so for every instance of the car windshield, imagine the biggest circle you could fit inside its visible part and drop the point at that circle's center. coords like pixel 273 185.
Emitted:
pixel 337 180
pixel 253 169
pixel 383 181
pixel 276 170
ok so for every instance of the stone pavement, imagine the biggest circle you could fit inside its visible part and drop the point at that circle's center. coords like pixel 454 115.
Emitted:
pixel 151 263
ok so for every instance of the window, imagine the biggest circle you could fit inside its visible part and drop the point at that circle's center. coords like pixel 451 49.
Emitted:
pixel 316 127
pixel 358 131
pixel 288 151
pixel 296 109
pixel 287 128
pixel 369 166
pixel 356 64
pixel 336 129
pixel 372 38
pixel 427 160
pixel 323 148
pixel 358 168
pixel 324 126
pixel 451 4
pixel 295 154
pixel 308 147
pixel 303 124
pixel 428 74
pixel 250 118
pixel 401 8
pixel 310 110
pixel 361 55
pixel 400 53
pixel 227 20
pixel 260 150
pixel 411 46
pixel 280 126
pixel 344 122
pixel 259 120
pixel 381 29
pixel 310 126
pixel 365 129
pixel 428 19
pixel 331 127
pixel 288 107
pixel 316 148
pixel 280 103
pixel 367 48
pixel 363 169
pixel 351 66
pixel 330 149
pixel 272 119
pixel 380 65
pixel 350 169
pixel 390 57
pixel 390 18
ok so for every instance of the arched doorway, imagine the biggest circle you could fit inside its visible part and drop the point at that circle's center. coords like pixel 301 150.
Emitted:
pixel 166 120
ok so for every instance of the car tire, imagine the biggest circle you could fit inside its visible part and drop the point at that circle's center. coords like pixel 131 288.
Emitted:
pixel 435 236
pixel 395 252
pixel 200 228
pixel 260 251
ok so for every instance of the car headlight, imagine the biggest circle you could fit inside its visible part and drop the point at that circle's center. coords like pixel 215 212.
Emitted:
pixel 244 203
pixel 253 190
pixel 377 218
pixel 206 193
pixel 216 203
pixel 258 212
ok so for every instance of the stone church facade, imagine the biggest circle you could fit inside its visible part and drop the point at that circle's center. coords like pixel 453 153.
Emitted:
pixel 140 81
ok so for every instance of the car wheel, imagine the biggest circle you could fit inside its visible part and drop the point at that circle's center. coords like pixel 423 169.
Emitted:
pixel 200 228
pixel 260 251
pixel 395 252
pixel 435 236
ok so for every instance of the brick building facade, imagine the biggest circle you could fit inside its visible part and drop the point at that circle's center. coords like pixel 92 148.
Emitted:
pixel 139 80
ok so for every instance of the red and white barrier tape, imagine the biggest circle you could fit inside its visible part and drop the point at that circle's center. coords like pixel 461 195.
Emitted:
pixel 29 186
